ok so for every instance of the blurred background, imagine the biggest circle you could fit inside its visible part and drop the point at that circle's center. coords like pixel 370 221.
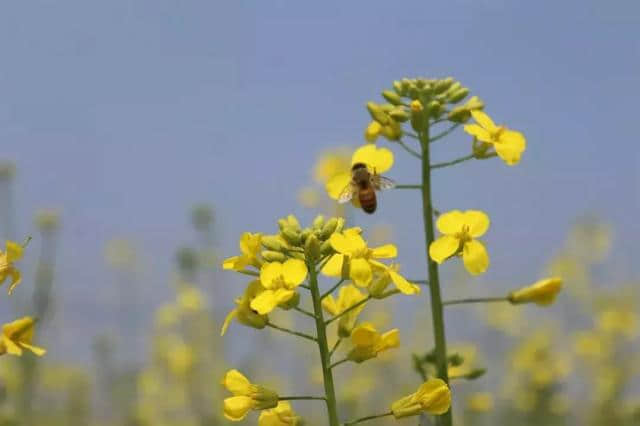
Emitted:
pixel 140 139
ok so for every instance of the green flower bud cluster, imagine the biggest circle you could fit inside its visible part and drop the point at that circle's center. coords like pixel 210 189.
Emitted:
pixel 311 243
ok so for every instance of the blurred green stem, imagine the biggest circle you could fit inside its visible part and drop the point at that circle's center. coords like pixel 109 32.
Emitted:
pixel 434 281
pixel 325 358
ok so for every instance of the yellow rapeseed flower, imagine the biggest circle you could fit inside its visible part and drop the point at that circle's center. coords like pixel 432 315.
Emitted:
pixel 331 163
pixel 18 335
pixel 281 415
pixel 619 320
pixel 350 245
pixel 243 312
pixel 12 254
pixel 542 293
pixel 388 275
pixel 509 144
pixel 433 397
pixel 280 281
pixel 246 396
pixel 480 402
pixel 378 160
pixel 373 131
pixel 250 249
pixel 368 342
pixel 460 231
pixel 348 296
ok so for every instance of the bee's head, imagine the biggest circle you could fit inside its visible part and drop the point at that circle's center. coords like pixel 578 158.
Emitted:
pixel 358 166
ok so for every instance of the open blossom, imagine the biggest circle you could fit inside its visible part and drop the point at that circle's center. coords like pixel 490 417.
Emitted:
pixel 509 144
pixel 387 275
pixel 433 397
pixel 543 292
pixel 378 160
pixel 17 336
pixel 348 296
pixel 246 396
pixel 243 312
pixel 280 281
pixel 12 254
pixel 250 249
pixel 368 342
pixel 460 230
pixel 282 415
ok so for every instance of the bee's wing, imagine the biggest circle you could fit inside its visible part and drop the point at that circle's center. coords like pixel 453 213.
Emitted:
pixel 380 182
pixel 347 193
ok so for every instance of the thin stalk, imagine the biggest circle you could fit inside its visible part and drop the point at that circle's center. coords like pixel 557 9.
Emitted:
pixel 445 133
pixel 293 332
pixel 434 281
pixel 452 162
pixel 304 312
pixel 476 300
pixel 331 290
pixel 337 363
pixel 330 393
pixel 364 419
pixel 408 187
pixel 409 149
pixel 301 398
pixel 349 309
pixel 247 272
pixel 421 282
pixel 335 347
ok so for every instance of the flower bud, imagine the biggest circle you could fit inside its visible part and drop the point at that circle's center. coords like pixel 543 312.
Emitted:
pixel 325 248
pixel 292 236
pixel 459 114
pixel 282 223
pixel 372 131
pixel 291 303
pixel 377 113
pixel 542 293
pixel 312 248
pixel 392 97
pixel 273 256
pixel 305 234
pixel 434 108
pixel 346 268
pixel 399 115
pixel 481 149
pixel 392 131
pixel 433 397
pixel 379 285
pixel 453 88
pixel 293 222
pixel 397 86
pixel 272 242
pixel 458 95
pixel 416 106
pixel 341 222
pixel 329 228
pixel 318 222
pixel 442 85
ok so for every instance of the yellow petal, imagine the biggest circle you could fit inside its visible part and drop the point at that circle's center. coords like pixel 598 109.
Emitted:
pixel 377 159
pixel 16 278
pixel 236 263
pixel 434 396
pixel 14 251
pixel 510 147
pixel 333 268
pixel 373 131
pixel 360 272
pixel 250 243
pixel 386 251
pixel 270 274
pixel 478 132
pixel 236 383
pixel 265 302
pixel 294 272
pixel 337 184
pixel 451 222
pixel 35 349
pixel 11 347
pixel 402 284
pixel 475 257
pixel 227 321
pixel 329 304
pixel 391 339
pixel 364 334
pixel 347 243
pixel 484 120
pixel 237 407
pixel 477 221
pixel 443 248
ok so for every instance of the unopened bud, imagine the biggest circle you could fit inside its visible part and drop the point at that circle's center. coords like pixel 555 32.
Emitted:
pixel 340 225
pixel 273 256
pixel 458 95
pixel 312 248
pixel 397 86
pixel 293 222
pixel 459 114
pixel 442 85
pixel 346 268
pixel 434 108
pixel 329 228
pixel 481 149
pixel 292 236
pixel 282 223
pixel 392 97
pixel 377 113
pixel 272 242
pixel 325 248
pixel 392 131
pixel 399 114
pixel 305 234
pixel 416 106
pixel 291 303
pixel 318 222
pixel 372 131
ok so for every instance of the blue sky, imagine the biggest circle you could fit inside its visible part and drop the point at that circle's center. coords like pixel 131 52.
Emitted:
pixel 123 114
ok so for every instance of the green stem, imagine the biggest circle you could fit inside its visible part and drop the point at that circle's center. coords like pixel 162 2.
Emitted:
pixel 445 133
pixel 330 394
pixel 333 350
pixel 452 162
pixel 434 281
pixel 337 363
pixel 408 187
pixel 476 300
pixel 331 290
pixel 364 419
pixel 349 309
pixel 304 312
pixel 295 333
pixel 247 272
pixel 301 398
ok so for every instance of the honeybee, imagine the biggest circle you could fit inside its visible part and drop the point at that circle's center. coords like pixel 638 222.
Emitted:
pixel 364 184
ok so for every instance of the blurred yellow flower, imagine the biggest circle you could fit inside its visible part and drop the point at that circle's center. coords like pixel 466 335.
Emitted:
pixel 250 249
pixel 246 396
pixel 433 397
pixel 280 281
pixel 309 197
pixel 460 230
pixel 179 357
pixel 592 345
pixel 348 296
pixel 190 299
pixel 619 320
pixel 243 312
pixel 378 160
pixel 368 342
pixel 331 163
pixel 18 335
pixel 12 254
pixel 281 415
pixel 480 402
pixel 509 144
pixel 350 245
pixel 542 293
